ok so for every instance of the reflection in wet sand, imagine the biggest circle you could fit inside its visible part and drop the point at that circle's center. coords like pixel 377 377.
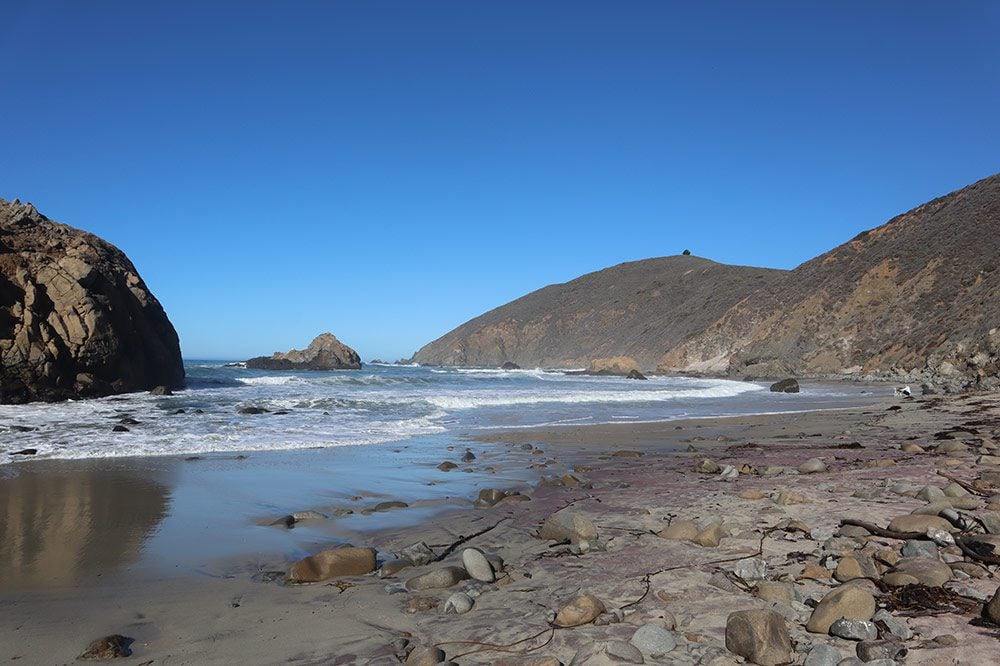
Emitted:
pixel 61 527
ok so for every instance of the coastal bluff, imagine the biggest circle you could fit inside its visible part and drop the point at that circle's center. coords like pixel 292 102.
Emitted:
pixel 76 319
pixel 637 309
pixel 325 352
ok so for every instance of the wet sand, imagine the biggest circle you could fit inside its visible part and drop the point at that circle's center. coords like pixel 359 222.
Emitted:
pixel 632 480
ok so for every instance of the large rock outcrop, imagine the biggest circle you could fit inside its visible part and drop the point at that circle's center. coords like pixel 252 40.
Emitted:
pixel 638 309
pixel 918 296
pixel 325 352
pixel 76 320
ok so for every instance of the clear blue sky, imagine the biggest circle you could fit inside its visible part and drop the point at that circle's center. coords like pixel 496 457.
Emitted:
pixel 388 170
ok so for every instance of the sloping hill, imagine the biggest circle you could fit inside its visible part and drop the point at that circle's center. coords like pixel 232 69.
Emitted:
pixel 638 309
pixel 919 293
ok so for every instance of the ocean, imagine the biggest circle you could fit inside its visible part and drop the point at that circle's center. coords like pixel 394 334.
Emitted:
pixel 375 405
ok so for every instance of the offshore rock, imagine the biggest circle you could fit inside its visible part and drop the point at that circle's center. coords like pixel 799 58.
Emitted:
pixel 76 320
pixel 325 352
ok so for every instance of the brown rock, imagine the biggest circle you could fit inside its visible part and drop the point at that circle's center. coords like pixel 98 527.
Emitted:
pixel 333 563
pixel 814 571
pixel 115 646
pixel 581 610
pixel 927 571
pixel 760 636
pixel 680 530
pixel 848 601
pixel 425 655
pixel 855 566
pixel 325 352
pixel 568 525
pixel 775 591
pixel 76 320
pixel 437 579
pixel 710 536
pixel 918 523
pixel 752 495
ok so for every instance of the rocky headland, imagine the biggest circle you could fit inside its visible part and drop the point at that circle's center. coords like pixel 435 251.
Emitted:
pixel 915 300
pixel 325 352
pixel 636 309
pixel 76 319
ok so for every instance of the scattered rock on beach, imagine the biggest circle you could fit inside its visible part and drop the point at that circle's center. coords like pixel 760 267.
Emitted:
pixel 24 452
pixel 925 570
pixel 564 525
pixel 847 601
pixel 458 604
pixel 812 466
pixel 710 536
pixel 918 523
pixel 683 530
pixel 581 610
pixel 854 630
pixel 425 655
pixel 653 640
pixel 760 636
pixel 252 410
pixel 438 579
pixel 347 561
pixel 605 652
pixel 447 466
pixel 115 646
pixel 708 466
pixel 478 565
pixel 417 554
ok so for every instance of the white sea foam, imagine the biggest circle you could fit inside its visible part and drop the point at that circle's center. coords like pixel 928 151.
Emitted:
pixel 374 405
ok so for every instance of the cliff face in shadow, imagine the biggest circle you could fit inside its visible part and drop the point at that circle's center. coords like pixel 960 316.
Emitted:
pixel 59 527
pixel 636 309
pixel 76 319
pixel 921 293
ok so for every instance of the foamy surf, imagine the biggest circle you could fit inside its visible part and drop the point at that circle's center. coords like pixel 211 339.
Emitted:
pixel 375 405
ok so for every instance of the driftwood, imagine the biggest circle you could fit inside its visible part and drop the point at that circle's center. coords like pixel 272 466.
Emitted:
pixel 965 543
pixel 465 539
pixel 882 532
pixel 972 488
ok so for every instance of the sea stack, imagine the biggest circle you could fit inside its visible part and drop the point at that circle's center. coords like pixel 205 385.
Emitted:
pixel 76 319
pixel 325 352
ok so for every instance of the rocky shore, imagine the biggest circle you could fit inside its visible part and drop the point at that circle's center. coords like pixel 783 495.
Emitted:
pixel 839 537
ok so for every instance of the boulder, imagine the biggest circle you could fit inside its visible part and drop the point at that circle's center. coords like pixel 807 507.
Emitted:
pixel 919 523
pixel 759 636
pixel 348 561
pixel 510 365
pixel 635 374
pixel 847 601
pixel 991 611
pixel 581 610
pixel 785 386
pixel 325 352
pixel 76 320
pixel 565 525
pixel 926 571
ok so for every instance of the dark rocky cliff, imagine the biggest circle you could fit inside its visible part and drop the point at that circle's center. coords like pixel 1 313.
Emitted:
pixel 76 320
pixel 637 309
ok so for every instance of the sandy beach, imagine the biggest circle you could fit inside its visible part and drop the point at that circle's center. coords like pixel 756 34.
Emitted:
pixel 630 482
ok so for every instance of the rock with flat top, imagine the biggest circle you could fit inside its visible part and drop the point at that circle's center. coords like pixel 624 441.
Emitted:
pixel 785 386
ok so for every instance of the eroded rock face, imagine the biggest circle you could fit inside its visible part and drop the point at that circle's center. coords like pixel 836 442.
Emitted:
pixel 325 352
pixel 76 319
